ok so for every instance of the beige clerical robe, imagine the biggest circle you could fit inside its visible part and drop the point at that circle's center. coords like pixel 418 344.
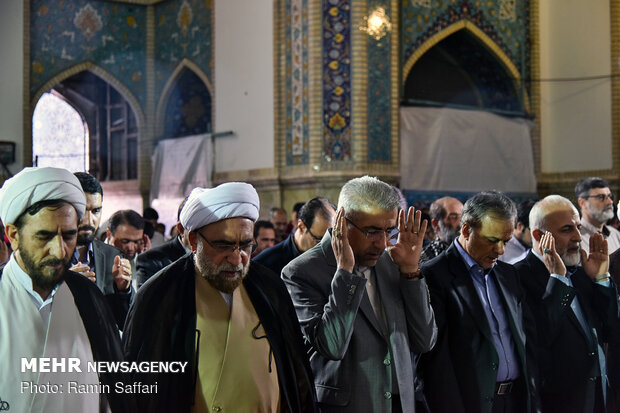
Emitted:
pixel 236 370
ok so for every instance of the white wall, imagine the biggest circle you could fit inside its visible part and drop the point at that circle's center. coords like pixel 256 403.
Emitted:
pixel 11 76
pixel 244 84
pixel 576 115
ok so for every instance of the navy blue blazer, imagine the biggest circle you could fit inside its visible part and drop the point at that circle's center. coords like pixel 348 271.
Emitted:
pixel 275 258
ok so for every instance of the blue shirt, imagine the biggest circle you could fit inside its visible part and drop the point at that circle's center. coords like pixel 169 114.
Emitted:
pixel 90 257
pixel 491 300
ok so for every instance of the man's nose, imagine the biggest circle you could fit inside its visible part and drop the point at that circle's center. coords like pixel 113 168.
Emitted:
pixel 58 247
pixel 234 257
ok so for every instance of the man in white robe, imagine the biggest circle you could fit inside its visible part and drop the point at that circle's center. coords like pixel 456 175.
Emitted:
pixel 48 312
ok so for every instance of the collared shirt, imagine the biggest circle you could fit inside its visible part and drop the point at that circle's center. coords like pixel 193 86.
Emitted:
pixel 491 300
pixel 90 257
pixel 611 234
pixel 514 251
pixel 44 306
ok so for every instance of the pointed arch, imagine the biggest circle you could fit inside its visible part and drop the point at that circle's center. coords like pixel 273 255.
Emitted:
pixel 480 35
pixel 103 74
pixel 169 87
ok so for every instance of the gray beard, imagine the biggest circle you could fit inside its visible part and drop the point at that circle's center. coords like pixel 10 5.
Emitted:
pixel 212 273
pixel 602 216
pixel 447 234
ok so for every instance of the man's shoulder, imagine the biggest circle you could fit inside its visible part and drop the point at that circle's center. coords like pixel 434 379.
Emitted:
pixel 172 276
pixel 106 249
pixel 160 251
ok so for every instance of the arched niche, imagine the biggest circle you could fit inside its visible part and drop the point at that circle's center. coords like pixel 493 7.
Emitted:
pixel 462 67
pixel 113 116
pixel 186 106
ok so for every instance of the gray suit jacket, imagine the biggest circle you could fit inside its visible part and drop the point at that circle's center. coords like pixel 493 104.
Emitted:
pixel 352 361
pixel 118 301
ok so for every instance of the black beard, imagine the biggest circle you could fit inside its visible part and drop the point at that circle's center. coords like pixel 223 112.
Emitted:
pixel 35 272
pixel 83 240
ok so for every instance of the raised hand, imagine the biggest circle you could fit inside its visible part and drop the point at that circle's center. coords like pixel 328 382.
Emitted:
pixel 121 270
pixel 408 248
pixel 597 262
pixel 550 256
pixel 340 243
pixel 84 270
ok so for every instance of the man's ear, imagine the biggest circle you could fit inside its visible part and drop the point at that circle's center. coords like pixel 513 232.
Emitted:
pixel 193 242
pixel 466 230
pixel 435 225
pixel 537 234
pixel 108 235
pixel 581 202
pixel 180 228
pixel 520 227
pixel 301 227
pixel 12 234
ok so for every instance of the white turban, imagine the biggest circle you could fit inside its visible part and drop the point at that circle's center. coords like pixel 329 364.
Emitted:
pixel 32 185
pixel 205 206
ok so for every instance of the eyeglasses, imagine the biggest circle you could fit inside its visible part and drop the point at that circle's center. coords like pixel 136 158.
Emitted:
pixel 601 197
pixel 225 247
pixel 376 235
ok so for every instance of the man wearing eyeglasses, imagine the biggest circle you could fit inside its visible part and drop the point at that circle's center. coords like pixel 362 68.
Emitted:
pixel 596 203
pixel 315 217
pixel 232 322
pixel 362 303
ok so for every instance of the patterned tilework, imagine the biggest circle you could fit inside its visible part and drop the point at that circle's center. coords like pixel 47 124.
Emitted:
pixel 183 29
pixel 297 105
pixel 336 80
pixel 379 93
pixel 504 21
pixel 66 33
pixel 188 111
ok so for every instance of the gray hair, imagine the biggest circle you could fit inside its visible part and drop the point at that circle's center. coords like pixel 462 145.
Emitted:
pixel 488 203
pixel 367 194
pixel 545 206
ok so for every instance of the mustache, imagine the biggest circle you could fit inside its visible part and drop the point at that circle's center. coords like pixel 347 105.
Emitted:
pixel 87 228
pixel 229 267
pixel 52 262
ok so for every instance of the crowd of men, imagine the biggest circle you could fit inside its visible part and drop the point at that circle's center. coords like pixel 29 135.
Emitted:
pixel 346 308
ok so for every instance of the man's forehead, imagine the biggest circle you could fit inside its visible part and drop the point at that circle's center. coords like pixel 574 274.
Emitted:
pixel 51 215
pixel 595 191
pixel 496 225
pixel 561 217
pixel 374 217
pixel 230 227
pixel 93 200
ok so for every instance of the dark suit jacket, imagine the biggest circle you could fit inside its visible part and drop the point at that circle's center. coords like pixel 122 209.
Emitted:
pixel 568 358
pixel 275 258
pixel 118 301
pixel 353 362
pixel 161 325
pixel 150 262
pixel 460 373
pixel 613 350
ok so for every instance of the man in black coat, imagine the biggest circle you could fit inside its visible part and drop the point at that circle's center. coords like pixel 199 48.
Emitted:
pixel 315 217
pixel 482 362
pixel 151 261
pixel 47 311
pixel 228 320
pixel 574 305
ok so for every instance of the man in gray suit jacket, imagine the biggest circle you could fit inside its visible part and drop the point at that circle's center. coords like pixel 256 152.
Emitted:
pixel 100 262
pixel 362 303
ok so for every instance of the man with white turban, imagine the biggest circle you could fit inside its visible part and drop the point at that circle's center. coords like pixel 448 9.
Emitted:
pixel 46 311
pixel 232 322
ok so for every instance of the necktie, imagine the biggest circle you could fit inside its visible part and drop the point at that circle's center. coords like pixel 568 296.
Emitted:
pixel 373 295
